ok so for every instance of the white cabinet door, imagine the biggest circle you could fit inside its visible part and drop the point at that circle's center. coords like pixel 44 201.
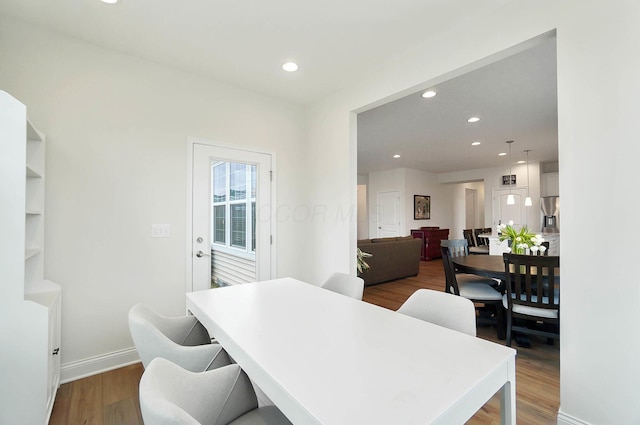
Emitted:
pixel 550 184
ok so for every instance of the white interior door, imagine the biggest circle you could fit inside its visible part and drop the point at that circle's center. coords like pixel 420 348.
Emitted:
pixel 388 214
pixel 234 222
pixel 502 212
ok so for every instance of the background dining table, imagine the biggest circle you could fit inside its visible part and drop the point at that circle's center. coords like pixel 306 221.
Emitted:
pixel 484 265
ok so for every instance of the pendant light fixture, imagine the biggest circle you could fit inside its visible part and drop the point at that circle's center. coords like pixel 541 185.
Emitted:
pixel 510 198
pixel 527 200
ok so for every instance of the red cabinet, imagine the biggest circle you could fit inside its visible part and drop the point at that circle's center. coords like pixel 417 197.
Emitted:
pixel 431 237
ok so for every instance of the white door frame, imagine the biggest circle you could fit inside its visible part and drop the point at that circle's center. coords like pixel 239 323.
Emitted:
pixel 191 141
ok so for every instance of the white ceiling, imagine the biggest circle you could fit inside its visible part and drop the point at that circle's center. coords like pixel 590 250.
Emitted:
pixel 516 99
pixel 335 42
pixel 246 42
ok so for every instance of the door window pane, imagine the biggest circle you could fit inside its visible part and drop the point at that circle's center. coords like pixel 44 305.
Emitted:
pixel 220 183
pixel 218 224
pixel 253 226
pixel 253 181
pixel 239 225
pixel 237 181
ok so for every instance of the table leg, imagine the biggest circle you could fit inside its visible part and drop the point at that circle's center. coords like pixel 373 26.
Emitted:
pixel 508 398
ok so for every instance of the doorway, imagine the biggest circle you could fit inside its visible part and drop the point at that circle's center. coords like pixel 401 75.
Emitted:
pixel 471 207
pixel 230 230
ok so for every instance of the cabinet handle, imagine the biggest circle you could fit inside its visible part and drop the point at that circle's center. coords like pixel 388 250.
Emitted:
pixel 56 351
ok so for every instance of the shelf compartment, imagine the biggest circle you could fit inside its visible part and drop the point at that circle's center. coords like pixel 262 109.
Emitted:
pixel 31 172
pixel 31 252
pixel 44 292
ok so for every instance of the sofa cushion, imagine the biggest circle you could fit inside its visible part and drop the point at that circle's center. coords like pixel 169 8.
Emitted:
pixel 404 238
pixel 383 240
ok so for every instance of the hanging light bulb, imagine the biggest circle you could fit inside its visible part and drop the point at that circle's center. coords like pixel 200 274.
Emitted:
pixel 510 198
pixel 527 200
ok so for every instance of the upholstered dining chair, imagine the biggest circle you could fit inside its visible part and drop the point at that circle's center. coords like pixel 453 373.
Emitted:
pixel 345 284
pixel 440 308
pixel 183 340
pixel 457 248
pixel 171 395
pixel 533 294
pixel 478 289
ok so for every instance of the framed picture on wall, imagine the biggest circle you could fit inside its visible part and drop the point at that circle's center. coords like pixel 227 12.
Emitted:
pixel 421 207
pixel 509 180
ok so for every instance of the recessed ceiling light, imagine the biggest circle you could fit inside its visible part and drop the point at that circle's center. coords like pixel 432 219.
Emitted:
pixel 396 156
pixel 290 67
pixel 475 143
pixel 521 162
pixel 502 154
pixel 473 119
pixel 110 1
pixel 428 94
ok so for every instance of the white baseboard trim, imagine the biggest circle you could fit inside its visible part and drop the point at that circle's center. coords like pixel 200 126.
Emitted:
pixel 564 419
pixel 98 364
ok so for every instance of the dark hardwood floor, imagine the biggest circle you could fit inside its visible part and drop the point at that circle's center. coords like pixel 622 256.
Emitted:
pixel 111 398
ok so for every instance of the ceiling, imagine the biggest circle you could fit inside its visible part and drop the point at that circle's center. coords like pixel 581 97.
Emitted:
pixel 336 43
pixel 245 43
pixel 515 99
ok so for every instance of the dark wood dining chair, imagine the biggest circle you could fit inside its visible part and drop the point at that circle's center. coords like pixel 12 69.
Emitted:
pixel 478 289
pixel 481 241
pixel 476 245
pixel 533 295
pixel 468 235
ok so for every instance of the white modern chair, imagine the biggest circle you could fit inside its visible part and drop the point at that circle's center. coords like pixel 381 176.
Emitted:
pixel 171 395
pixel 440 308
pixel 345 284
pixel 183 340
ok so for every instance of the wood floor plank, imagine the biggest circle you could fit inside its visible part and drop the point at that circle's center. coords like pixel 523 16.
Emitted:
pixel 86 401
pixel 117 385
pixel 123 412
pixel 60 412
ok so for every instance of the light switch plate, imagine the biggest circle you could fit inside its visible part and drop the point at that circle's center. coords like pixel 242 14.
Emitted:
pixel 160 230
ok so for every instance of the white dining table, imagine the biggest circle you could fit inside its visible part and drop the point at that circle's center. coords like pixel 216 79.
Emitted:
pixel 324 358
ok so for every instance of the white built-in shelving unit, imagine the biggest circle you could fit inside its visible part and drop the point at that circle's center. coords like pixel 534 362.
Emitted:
pixel 29 303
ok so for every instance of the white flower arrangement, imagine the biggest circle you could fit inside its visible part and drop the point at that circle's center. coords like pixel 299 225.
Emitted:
pixel 522 239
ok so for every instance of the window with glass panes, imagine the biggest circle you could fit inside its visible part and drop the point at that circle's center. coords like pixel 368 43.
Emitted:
pixel 234 206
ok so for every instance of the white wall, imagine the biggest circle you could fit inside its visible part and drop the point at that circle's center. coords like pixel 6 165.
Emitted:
pixel 409 182
pixel 116 130
pixel 598 92
pixel 423 183
pixel 492 178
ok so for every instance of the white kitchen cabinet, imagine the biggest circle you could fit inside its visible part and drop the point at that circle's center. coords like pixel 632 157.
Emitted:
pixel 30 306
pixel 550 184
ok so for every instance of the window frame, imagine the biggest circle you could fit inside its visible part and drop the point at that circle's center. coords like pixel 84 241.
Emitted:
pixel 250 171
